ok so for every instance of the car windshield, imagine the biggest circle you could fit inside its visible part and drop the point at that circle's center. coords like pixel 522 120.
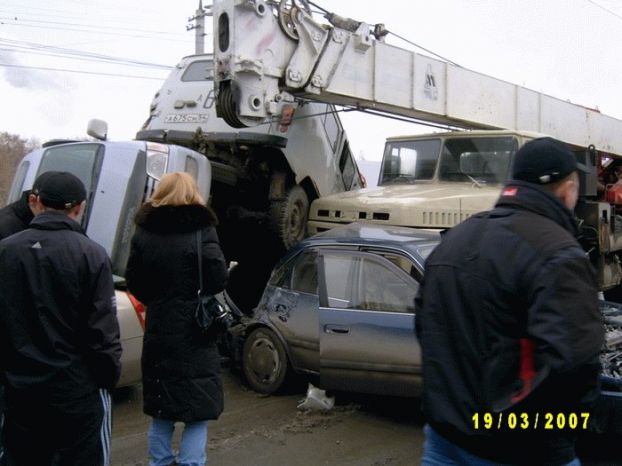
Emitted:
pixel 477 159
pixel 409 161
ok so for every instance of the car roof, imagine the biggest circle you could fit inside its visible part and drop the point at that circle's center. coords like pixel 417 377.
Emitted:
pixel 369 234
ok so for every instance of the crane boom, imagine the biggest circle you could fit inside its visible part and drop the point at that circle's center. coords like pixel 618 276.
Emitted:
pixel 271 54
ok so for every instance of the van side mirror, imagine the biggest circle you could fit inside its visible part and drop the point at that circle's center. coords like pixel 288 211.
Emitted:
pixel 97 129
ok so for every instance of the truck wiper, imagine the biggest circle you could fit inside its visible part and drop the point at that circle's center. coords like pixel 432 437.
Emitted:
pixel 475 182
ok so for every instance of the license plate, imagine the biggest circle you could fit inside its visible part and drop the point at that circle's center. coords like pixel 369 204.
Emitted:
pixel 186 118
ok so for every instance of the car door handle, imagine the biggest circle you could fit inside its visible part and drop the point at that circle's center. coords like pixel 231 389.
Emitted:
pixel 336 329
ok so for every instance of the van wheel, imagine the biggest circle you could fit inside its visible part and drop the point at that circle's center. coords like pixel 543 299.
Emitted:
pixel 264 361
pixel 289 216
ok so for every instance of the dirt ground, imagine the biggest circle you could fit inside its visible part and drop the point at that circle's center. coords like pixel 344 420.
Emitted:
pixel 269 431
pixel 257 430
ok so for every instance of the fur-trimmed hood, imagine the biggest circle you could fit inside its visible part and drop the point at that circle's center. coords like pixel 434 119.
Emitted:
pixel 175 219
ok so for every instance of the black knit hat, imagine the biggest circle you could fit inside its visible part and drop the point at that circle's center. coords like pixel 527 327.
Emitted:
pixel 59 190
pixel 543 161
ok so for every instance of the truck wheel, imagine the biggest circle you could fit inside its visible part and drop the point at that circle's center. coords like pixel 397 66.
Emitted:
pixel 290 216
pixel 264 361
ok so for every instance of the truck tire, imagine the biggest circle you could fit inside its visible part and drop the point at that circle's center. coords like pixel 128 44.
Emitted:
pixel 289 216
pixel 264 361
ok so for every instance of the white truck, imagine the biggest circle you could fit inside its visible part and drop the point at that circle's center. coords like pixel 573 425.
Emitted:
pixel 272 171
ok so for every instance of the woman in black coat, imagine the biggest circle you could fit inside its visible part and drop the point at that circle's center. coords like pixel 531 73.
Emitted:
pixel 180 367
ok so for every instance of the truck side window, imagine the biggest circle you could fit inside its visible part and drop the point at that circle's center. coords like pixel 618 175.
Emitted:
pixel 331 125
pixel 346 167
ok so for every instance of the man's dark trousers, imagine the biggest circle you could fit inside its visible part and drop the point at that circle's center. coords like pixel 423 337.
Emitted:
pixel 72 432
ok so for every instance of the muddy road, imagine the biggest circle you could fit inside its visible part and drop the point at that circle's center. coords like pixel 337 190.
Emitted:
pixel 257 430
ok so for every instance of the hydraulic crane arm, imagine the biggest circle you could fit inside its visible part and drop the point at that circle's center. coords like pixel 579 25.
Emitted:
pixel 272 54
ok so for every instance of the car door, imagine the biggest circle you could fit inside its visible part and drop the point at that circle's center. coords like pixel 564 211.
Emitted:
pixel 291 301
pixel 367 320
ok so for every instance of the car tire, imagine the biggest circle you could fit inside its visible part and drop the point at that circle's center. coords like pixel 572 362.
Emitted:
pixel 264 361
pixel 289 216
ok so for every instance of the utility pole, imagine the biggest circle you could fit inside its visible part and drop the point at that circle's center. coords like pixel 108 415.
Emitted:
pixel 199 27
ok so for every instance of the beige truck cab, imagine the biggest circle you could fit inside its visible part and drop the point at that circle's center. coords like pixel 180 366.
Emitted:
pixel 428 181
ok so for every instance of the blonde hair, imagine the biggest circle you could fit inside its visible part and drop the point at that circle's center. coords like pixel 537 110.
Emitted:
pixel 176 188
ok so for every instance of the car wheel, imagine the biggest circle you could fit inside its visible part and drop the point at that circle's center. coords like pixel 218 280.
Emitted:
pixel 289 216
pixel 264 361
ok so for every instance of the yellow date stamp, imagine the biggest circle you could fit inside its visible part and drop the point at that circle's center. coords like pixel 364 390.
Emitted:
pixel 530 421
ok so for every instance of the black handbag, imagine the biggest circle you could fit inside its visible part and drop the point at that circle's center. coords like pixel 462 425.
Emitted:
pixel 211 316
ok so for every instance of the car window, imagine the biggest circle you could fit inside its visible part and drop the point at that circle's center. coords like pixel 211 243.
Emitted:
pixel 399 260
pixel 383 287
pixel 368 281
pixel 304 273
pixel 339 273
pixel 298 274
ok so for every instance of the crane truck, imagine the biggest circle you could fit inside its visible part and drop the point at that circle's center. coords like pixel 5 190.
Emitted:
pixel 273 57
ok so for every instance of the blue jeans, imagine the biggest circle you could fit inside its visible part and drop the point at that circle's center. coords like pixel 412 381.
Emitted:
pixel 191 448
pixel 440 452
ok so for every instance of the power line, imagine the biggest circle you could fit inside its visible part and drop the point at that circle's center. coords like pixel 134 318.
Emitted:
pixel 100 18
pixel 126 10
pixel 168 39
pixel 120 62
pixel 42 68
pixel 16 19
pixel 605 9
pixel 77 53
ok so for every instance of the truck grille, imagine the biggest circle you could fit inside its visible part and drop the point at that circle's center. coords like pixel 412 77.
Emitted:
pixel 446 219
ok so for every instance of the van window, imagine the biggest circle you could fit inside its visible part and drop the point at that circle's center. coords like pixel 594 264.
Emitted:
pixel 82 159
pixel 79 159
pixel 202 70
pixel 409 161
pixel 18 184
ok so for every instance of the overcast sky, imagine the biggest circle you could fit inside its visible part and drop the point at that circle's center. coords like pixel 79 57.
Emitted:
pixel 570 49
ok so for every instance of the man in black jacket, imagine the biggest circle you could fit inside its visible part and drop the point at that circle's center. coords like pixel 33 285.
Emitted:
pixel 59 335
pixel 16 216
pixel 508 322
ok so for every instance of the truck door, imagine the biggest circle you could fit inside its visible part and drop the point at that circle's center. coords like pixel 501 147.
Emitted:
pixel 367 319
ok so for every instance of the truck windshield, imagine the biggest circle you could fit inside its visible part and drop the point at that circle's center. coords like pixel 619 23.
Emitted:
pixel 409 161
pixel 202 70
pixel 477 159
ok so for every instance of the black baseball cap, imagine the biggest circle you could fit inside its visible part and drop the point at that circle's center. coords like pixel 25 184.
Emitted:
pixel 544 161
pixel 59 190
